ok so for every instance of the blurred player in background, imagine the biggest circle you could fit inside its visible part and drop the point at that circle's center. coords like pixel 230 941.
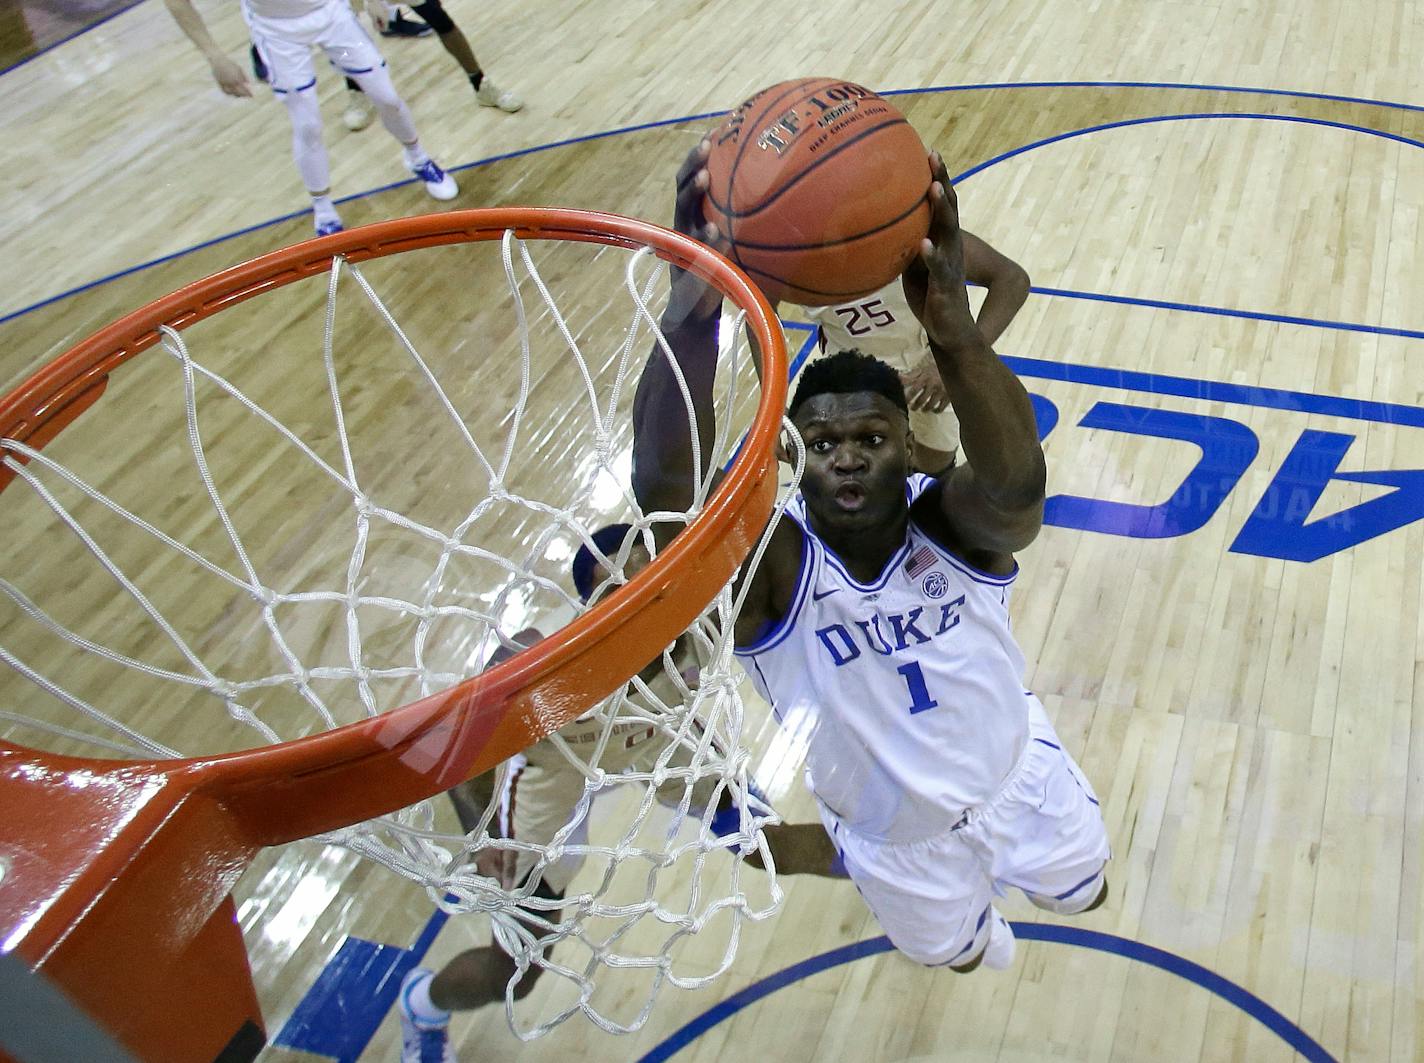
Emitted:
pixel 433 19
pixel 284 32
pixel 883 326
pixel 542 794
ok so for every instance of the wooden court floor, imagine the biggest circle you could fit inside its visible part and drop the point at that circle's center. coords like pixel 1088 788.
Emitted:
pixel 1223 613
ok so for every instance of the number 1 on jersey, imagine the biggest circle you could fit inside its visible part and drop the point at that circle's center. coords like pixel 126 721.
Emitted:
pixel 920 699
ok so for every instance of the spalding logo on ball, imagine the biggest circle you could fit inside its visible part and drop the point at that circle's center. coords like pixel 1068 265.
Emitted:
pixel 821 188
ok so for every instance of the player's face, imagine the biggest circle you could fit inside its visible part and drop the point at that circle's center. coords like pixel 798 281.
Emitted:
pixel 857 459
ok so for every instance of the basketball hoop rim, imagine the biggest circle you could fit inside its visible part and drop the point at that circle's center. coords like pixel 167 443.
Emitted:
pixel 433 743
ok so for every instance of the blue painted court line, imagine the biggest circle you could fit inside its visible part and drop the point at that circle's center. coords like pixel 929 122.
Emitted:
pixel 1196 117
pixel 1249 89
pixel 1195 973
pixel 345 1006
pixel 715 114
pixel 1221 311
pixel 1218 391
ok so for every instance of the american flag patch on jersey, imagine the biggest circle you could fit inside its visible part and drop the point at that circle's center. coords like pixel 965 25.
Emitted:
pixel 920 562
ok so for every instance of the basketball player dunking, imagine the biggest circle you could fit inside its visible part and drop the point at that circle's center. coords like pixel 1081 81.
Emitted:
pixel 877 623
pixel 284 33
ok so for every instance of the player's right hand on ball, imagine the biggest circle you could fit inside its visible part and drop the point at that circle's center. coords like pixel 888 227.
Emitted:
pixel 934 280
pixel 229 76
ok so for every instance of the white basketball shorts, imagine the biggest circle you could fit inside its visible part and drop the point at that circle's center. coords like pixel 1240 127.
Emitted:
pixel 1042 833
pixel 546 793
pixel 286 44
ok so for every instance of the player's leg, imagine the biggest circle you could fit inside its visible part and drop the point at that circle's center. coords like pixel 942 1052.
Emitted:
pixel 292 78
pixel 470 980
pixel 358 112
pixel 1049 839
pixel 933 898
pixel 801 849
pixel 536 806
pixel 455 42
pixel 354 53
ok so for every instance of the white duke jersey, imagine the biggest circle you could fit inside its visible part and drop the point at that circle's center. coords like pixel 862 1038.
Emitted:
pixel 908 691
pixel 880 325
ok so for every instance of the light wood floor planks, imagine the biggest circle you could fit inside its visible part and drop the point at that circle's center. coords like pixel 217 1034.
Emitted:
pixel 1248 720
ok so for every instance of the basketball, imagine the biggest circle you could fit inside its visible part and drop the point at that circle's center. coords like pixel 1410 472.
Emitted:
pixel 820 187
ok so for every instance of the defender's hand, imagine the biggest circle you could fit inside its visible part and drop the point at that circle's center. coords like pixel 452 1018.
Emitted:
pixel 934 280
pixel 924 390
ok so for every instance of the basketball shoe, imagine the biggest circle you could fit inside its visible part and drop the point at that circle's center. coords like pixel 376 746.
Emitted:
pixel 438 183
pixel 422 1040
pixel 491 95
pixel 327 226
pixel 359 110
pixel 400 26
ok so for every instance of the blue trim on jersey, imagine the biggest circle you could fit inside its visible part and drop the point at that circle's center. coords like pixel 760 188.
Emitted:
pixel 299 88
pixel 880 580
pixel 917 485
pixel 1049 744
pixel 1087 881
pixel 781 630
pixel 983 918
pixel 978 575
pixel 775 709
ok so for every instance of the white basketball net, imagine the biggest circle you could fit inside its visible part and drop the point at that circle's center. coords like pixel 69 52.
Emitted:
pixel 289 626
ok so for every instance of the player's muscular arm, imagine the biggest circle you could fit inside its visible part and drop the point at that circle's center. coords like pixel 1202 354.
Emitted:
pixel 1004 281
pixel 226 73
pixel 662 439
pixel 995 505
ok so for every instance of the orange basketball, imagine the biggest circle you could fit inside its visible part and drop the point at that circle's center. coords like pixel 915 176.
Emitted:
pixel 820 186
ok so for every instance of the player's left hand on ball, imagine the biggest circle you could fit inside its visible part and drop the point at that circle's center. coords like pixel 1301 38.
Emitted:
pixel 692 296
pixel 934 280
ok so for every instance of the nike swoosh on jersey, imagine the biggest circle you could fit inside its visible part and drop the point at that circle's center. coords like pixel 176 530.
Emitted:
pixel 825 594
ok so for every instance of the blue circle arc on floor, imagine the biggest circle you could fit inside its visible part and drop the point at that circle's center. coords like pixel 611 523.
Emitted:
pixel 1195 973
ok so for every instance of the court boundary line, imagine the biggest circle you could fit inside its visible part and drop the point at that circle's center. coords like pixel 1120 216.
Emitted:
pixel 1243 999
pixel 704 116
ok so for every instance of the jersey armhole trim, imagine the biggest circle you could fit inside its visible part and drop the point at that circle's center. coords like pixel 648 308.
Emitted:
pixel 782 628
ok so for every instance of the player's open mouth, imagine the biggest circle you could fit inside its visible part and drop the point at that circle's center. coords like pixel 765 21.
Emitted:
pixel 850 497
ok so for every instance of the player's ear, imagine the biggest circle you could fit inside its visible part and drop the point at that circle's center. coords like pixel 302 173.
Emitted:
pixel 783 452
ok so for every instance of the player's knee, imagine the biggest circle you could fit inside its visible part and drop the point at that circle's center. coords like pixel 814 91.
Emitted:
pixel 1084 899
pixel 377 85
pixel 434 13
pixel 966 968
pixel 305 118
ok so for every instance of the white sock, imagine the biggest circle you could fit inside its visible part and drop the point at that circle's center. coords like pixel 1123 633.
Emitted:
pixel 415 155
pixel 419 1004
pixel 324 209
pixel 999 953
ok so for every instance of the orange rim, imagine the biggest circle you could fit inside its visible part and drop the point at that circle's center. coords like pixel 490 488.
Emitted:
pixel 228 805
